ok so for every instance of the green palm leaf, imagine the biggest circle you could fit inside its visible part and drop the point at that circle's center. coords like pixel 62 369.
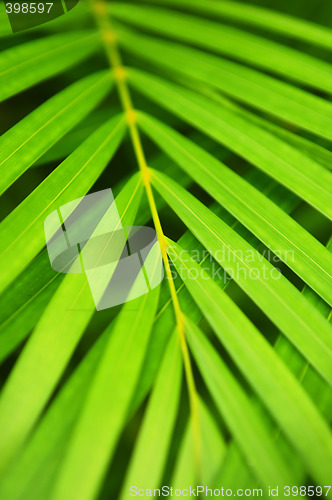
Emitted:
pixel 273 20
pixel 244 84
pixel 229 41
pixel 213 451
pixel 117 364
pixel 20 234
pixel 275 295
pixel 240 338
pixel 219 135
pixel 37 466
pixel 150 454
pixel 49 368
pixel 238 412
pixel 24 143
pixel 275 157
pixel 278 231
pixel 31 63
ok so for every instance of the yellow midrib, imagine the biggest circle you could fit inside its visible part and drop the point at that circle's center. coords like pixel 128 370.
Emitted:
pixel 100 12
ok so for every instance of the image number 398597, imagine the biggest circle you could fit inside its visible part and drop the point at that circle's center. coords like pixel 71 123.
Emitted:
pixel 24 15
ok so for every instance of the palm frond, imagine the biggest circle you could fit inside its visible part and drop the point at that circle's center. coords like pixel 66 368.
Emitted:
pixel 219 134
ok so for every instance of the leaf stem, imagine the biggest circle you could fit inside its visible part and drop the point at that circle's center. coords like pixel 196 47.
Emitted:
pixel 99 9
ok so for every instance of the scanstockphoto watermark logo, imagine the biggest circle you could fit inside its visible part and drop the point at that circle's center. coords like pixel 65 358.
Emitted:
pixel 24 15
pixel 86 236
pixel 236 264
pixel 197 491
pixel 207 492
pixel 122 263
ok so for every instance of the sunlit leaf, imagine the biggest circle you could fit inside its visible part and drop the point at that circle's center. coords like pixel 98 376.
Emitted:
pixel 22 233
pixel 27 64
pixel 278 159
pixel 282 395
pixel 24 143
